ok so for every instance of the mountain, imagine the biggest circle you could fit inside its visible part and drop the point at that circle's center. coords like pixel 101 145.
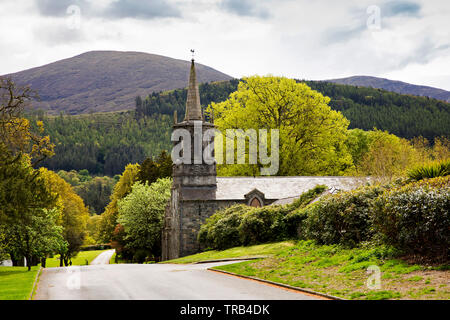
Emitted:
pixel 395 86
pixel 100 81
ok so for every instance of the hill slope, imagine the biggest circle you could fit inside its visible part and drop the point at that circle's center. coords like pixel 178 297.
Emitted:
pixel 395 86
pixel 101 81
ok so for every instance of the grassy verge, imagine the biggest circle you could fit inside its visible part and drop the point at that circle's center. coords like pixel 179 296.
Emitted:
pixel 16 283
pixel 337 271
pixel 113 259
pixel 82 258
pixel 237 252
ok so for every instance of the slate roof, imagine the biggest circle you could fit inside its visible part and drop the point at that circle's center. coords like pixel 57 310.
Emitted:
pixel 289 188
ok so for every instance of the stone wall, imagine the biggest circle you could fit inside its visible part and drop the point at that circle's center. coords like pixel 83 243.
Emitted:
pixel 193 214
pixel 182 222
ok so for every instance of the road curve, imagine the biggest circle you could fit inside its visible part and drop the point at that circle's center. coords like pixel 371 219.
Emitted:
pixel 154 282
pixel 103 258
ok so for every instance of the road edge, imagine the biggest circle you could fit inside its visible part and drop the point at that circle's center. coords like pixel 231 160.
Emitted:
pixel 36 279
pixel 278 284
pixel 231 259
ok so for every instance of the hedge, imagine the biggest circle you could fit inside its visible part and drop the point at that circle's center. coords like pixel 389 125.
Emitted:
pixel 344 218
pixel 415 218
pixel 95 247
pixel 245 225
pixel 220 231
pixel 412 217
pixel 264 224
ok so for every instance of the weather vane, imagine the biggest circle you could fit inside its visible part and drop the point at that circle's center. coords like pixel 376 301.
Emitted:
pixel 193 52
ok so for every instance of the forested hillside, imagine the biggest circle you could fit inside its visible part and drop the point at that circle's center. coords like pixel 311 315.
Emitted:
pixel 395 86
pixel 403 115
pixel 104 143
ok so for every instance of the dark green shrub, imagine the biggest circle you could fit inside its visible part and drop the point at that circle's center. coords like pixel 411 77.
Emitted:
pixel 294 221
pixel 95 247
pixel 140 255
pixel 294 218
pixel 415 218
pixel 433 170
pixel 343 218
pixel 306 197
pixel 220 231
pixel 225 233
pixel 264 224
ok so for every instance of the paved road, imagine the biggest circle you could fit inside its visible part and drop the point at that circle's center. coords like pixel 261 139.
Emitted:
pixel 103 258
pixel 154 282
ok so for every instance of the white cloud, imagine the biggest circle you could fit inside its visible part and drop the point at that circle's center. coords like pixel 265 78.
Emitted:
pixel 301 39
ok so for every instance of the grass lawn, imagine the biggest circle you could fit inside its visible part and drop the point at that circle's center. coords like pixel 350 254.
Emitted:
pixel 336 271
pixel 16 282
pixel 79 260
pixel 237 252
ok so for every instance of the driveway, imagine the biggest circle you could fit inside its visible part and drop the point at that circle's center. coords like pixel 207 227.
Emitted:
pixel 154 282
pixel 103 258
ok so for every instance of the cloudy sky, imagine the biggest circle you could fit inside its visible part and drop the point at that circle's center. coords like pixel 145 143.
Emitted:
pixel 403 40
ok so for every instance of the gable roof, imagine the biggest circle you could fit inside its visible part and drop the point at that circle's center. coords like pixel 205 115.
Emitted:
pixel 235 188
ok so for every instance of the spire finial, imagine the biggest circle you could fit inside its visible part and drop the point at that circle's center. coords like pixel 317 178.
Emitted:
pixel 193 107
pixel 193 54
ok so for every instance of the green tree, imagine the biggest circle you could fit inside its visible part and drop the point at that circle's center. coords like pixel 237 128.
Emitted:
pixel 37 237
pixel 23 199
pixel 141 213
pixel 23 196
pixel 312 135
pixel 92 229
pixel 154 169
pixel 108 221
pixel 385 155
pixel 73 214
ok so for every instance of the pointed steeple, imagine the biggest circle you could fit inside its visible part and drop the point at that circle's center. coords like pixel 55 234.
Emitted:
pixel 193 107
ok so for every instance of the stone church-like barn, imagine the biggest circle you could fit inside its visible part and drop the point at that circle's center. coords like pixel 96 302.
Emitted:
pixel 197 192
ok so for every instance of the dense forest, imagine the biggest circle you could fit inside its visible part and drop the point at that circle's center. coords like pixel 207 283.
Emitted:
pixel 175 100
pixel 405 116
pixel 104 143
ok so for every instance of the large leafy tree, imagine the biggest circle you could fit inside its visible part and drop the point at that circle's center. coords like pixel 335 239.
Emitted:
pixel 141 214
pixel 312 135
pixel 36 237
pixel 379 153
pixel 108 221
pixel 73 214
pixel 23 200
pixel 29 227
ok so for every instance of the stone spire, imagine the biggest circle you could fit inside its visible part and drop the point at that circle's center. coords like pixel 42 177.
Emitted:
pixel 193 107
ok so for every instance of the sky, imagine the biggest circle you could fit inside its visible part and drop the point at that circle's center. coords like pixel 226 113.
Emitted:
pixel 316 40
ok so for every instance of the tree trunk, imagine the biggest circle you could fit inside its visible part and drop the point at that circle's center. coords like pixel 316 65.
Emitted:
pixel 43 262
pixel 61 260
